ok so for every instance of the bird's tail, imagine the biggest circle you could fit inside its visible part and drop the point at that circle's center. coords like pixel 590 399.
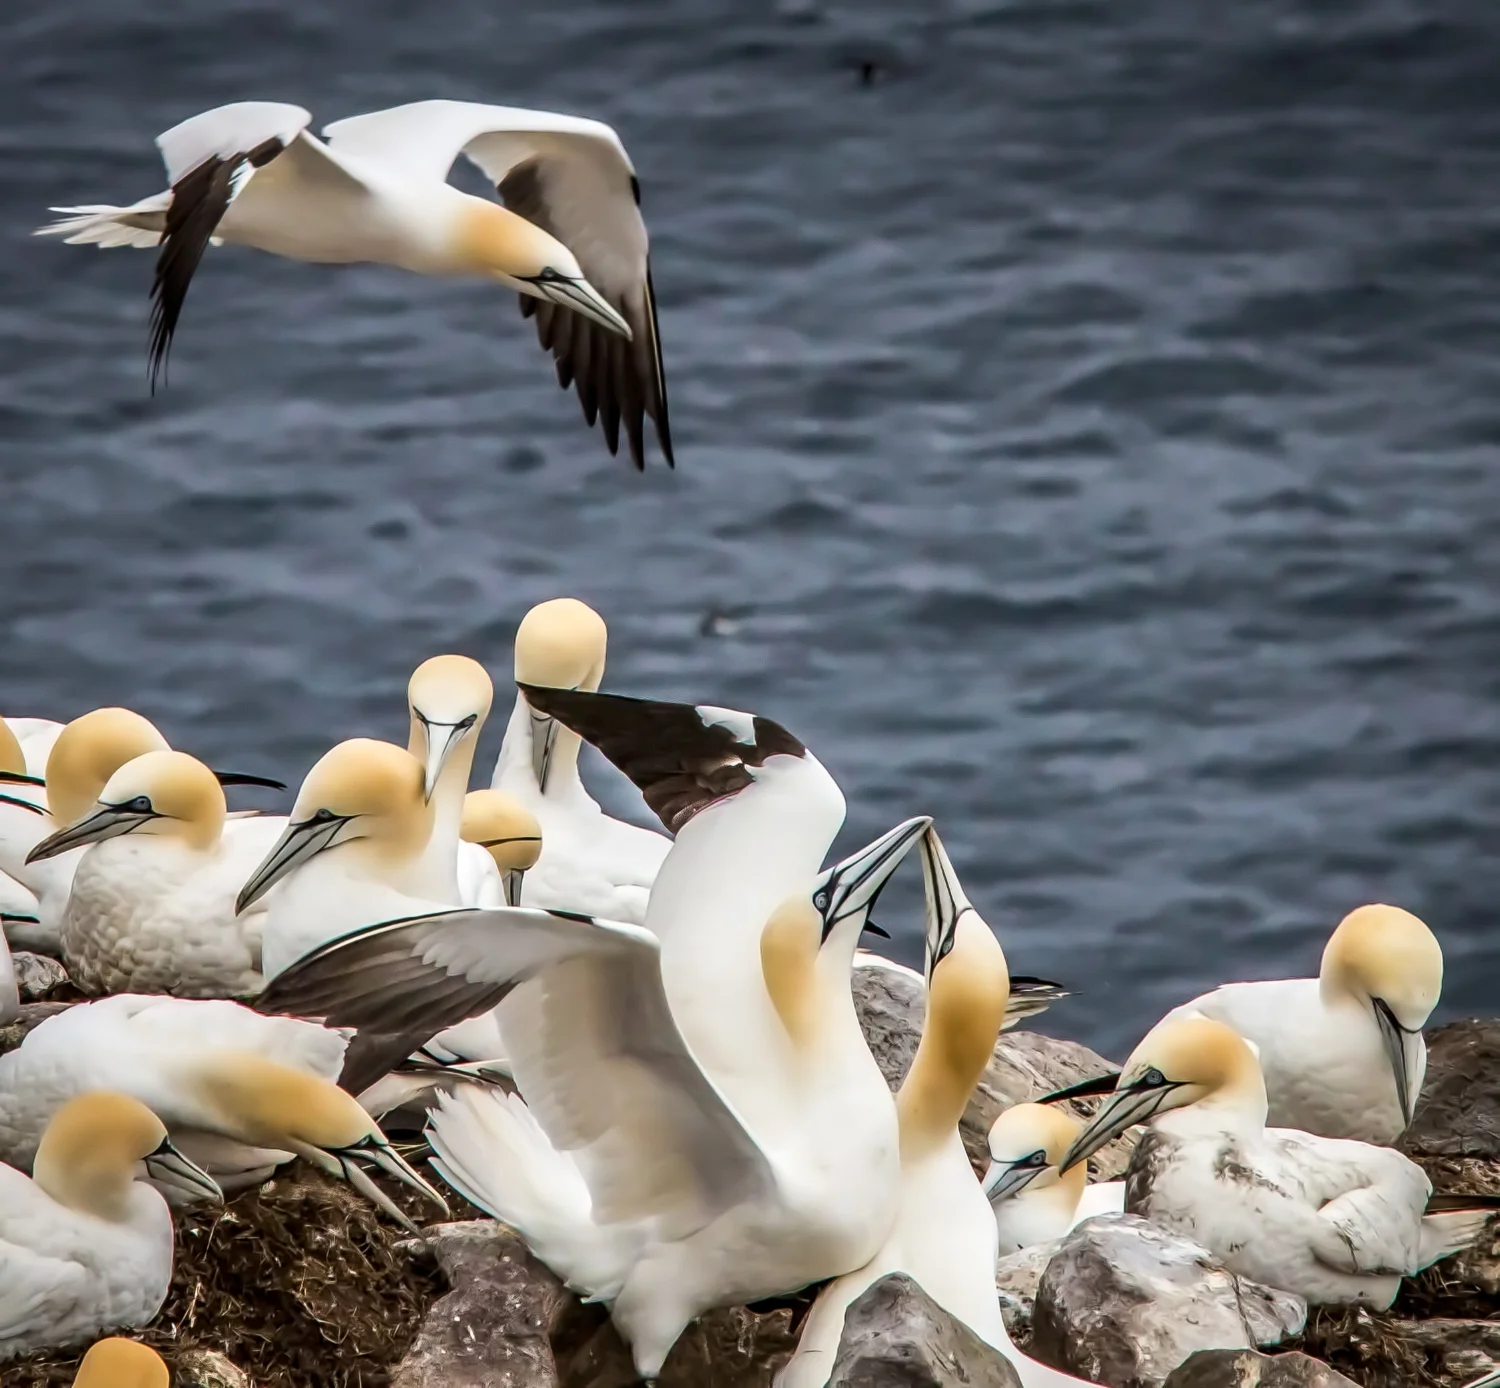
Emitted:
pixel 489 1147
pixel 141 224
pixel 1453 1222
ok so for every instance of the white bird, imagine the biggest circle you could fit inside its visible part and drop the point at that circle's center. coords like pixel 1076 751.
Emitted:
pixel 943 1236
pixel 84 1245
pixel 1028 995
pixel 511 839
pixel 1033 1202
pixel 590 861
pixel 706 1123
pixel 34 737
pixel 570 238
pixel 1337 1222
pixel 151 908
pixel 1343 1054
pixel 120 1363
pixel 240 1093
pixel 448 698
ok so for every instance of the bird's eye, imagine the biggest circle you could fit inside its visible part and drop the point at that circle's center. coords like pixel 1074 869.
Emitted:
pixel 1037 1159
pixel 549 275
pixel 820 901
pixel 140 805
pixel 1153 1078
pixel 324 816
pixel 467 723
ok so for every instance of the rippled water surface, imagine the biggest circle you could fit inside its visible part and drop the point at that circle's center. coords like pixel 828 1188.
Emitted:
pixel 1086 418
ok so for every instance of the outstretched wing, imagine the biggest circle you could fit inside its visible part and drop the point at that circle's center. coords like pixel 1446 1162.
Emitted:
pixel 572 178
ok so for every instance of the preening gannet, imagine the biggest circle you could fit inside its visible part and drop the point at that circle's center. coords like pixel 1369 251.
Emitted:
pixel 1335 1221
pixel 511 838
pixel 1343 1053
pixel 1033 1201
pixel 570 238
pixel 151 908
pixel 241 1093
pixel 84 1245
pixel 706 1125
pixel 119 1363
pixel 590 861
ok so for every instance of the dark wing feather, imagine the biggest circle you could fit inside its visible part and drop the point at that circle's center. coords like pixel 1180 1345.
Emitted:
pixel 617 381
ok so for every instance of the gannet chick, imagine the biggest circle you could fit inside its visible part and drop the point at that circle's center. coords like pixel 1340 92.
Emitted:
pixel 1032 1201
pixel 119 1363
pixel 252 174
pixel 84 1245
pixel 448 698
pixel 364 800
pixel 704 1123
pixel 1343 1053
pixel 1335 1221
pixel 151 908
pixel 239 1092
pixel 590 862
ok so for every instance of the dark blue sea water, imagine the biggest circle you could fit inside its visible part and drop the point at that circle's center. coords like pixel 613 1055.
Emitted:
pixel 1089 422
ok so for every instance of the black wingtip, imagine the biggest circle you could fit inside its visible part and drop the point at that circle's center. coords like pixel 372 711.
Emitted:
pixel 238 778
pixel 1027 983
pixel 1084 1089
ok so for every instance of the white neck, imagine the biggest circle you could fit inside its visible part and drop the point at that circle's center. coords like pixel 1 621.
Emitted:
pixel 514 768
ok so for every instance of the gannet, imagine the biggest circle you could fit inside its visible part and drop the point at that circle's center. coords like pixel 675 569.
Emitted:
pixel 590 862
pixel 511 838
pixel 34 737
pixel 1028 995
pixel 240 1092
pixel 252 174
pixel 448 698
pixel 120 1363
pixel 1337 1222
pixel 84 1245
pixel 151 908
pixel 1343 1053
pixel 1032 1201
pixel 706 1124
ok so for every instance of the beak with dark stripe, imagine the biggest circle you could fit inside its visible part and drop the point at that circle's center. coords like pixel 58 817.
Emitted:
pixel 442 738
pixel 852 886
pixel 107 822
pixel 543 739
pixel 239 778
pixel 1084 1089
pixel 1004 1179
pixel 580 296
pixel 1130 1104
pixel 21 804
pixel 1401 1051
pixel 301 842
pixel 166 1166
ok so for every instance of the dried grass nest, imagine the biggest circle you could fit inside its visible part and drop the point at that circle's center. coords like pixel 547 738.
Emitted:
pixel 298 1283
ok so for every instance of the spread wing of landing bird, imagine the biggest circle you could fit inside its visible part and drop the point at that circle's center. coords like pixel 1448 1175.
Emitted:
pixel 570 238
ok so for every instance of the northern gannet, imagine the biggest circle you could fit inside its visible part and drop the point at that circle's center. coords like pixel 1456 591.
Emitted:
pixel 1337 1222
pixel 448 698
pixel 1033 1201
pixel 120 1363
pixel 706 1125
pixel 590 861
pixel 241 1093
pixel 34 736
pixel 151 909
pixel 253 174
pixel 1343 1054
pixel 511 838
pixel 84 1245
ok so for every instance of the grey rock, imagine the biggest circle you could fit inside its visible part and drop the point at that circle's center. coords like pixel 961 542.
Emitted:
pixel 896 1336
pixel 1124 1302
pixel 33 1014
pixel 1245 1368
pixel 494 1328
pixel 1458 1114
pixel 1025 1065
pixel 733 1347
pixel 1017 1278
pixel 36 975
pixel 207 1368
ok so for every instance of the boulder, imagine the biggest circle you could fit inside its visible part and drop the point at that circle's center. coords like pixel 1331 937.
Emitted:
pixel 207 1368
pixel 733 1347
pixel 1458 1114
pixel 1246 1368
pixel 896 1336
pixel 1017 1277
pixel 37 975
pixel 1025 1065
pixel 494 1327
pixel 1124 1302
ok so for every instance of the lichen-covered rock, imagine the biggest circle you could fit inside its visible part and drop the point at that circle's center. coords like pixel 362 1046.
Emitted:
pixel 1458 1114
pixel 1025 1065
pixel 494 1328
pixel 896 1336
pixel 207 1368
pixel 1246 1368
pixel 1017 1277
pixel 37 975
pixel 1124 1302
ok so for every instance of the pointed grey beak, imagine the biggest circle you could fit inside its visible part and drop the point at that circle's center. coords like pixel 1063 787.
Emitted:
pixel 379 1152
pixel 946 902
pixel 1134 1104
pixel 168 1167
pixel 442 738
pixel 852 886
pixel 543 737
pixel 580 296
pixel 296 846
pixel 1401 1051
pixel 107 822
pixel 1005 1179
pixel 513 886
